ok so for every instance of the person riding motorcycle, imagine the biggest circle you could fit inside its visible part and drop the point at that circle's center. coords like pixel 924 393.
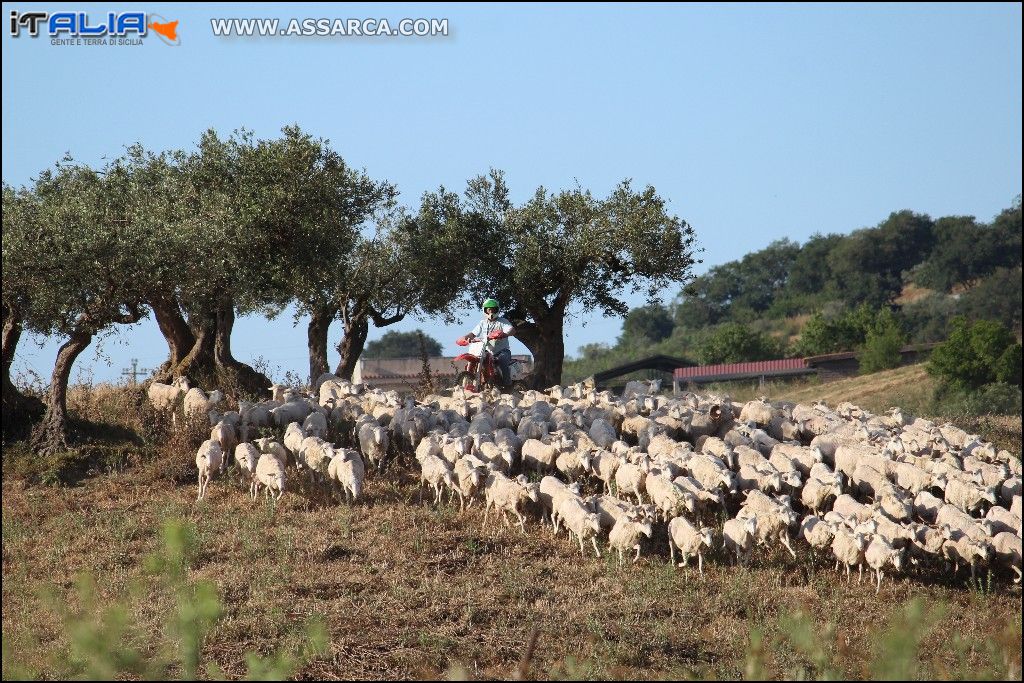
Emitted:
pixel 497 329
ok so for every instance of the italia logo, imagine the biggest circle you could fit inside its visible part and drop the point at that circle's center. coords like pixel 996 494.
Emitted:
pixel 64 25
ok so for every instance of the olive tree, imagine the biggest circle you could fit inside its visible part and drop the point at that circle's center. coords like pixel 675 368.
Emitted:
pixel 569 249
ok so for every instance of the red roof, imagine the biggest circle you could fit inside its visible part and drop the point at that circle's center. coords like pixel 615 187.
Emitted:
pixel 752 368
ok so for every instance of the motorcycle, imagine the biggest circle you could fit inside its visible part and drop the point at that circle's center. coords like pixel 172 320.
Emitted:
pixel 478 375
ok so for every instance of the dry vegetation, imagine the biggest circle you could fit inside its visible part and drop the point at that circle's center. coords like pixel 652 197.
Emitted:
pixel 408 591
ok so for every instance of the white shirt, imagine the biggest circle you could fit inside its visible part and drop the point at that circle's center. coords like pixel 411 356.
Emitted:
pixel 485 327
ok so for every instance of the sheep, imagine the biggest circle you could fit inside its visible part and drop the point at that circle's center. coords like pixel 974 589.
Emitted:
pixel 895 502
pixel 1006 547
pixel 246 457
pixel 270 474
pixel 224 434
pixel 880 553
pixel 711 472
pixel 848 548
pixel 373 442
pixel 456 447
pixel 689 539
pixel 787 457
pixel 625 535
pixel 508 495
pixel 540 456
pixel 1009 489
pixel 848 507
pixel 603 465
pixel 602 433
pixel 915 479
pixel 968 496
pixel 315 424
pixel 967 550
pixel 927 506
pixel 738 536
pixel 197 402
pixel 269 446
pixel 815 494
pixel 773 524
pixel 630 478
pixel 610 509
pixel 1003 520
pixel 470 474
pixel 579 520
pixel 292 411
pixel 962 524
pixel 552 491
pixel 166 396
pixel 347 469
pixel 209 458
pixel 751 478
pixel 435 472
pixel 817 532
pixel 668 497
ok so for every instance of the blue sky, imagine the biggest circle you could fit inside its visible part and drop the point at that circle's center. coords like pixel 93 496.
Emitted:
pixel 756 122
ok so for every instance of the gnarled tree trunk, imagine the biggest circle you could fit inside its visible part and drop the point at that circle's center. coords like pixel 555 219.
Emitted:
pixel 316 340
pixel 544 340
pixel 230 371
pixel 50 436
pixel 357 327
pixel 18 409
pixel 176 331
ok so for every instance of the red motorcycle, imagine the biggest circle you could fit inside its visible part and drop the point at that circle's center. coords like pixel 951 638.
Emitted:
pixel 478 375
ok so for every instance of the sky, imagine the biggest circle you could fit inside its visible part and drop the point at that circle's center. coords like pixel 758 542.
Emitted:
pixel 756 122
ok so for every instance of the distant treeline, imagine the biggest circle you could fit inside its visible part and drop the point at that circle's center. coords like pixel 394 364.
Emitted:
pixel 902 281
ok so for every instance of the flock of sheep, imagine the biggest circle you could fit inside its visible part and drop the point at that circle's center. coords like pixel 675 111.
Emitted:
pixel 881 491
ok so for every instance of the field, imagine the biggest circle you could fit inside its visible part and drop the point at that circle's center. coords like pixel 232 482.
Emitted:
pixel 396 588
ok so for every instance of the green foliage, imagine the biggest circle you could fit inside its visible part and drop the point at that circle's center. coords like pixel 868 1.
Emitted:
pixel 646 325
pixel 975 355
pixel 882 344
pixel 996 297
pixel 734 343
pixel 402 345
pixel 964 252
pixel 844 332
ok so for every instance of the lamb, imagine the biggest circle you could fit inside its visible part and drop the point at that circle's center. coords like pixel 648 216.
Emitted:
pixel 508 495
pixel 246 457
pixel 269 446
pixel 1006 547
pixel 209 458
pixel 849 548
pixel 711 472
pixel 270 474
pixel 968 496
pixel 689 539
pixel 751 478
pixel 962 524
pixel 435 472
pixel 879 554
pixel 848 507
pixel 579 520
pixel 625 535
pixel 196 401
pixel 224 434
pixel 772 525
pixel 738 536
pixel 347 469
pixel 540 456
pixel 610 510
pixel 816 494
pixel 915 479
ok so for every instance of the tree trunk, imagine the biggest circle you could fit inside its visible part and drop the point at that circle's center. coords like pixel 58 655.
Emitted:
pixel 18 409
pixel 179 337
pixel 233 374
pixel 50 435
pixel 316 340
pixel 198 364
pixel 544 340
pixel 351 347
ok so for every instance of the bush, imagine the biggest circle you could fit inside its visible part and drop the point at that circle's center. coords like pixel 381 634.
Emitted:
pixel 881 349
pixel 998 398
pixel 976 355
pixel 735 343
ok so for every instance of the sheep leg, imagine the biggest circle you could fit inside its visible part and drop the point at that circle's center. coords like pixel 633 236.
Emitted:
pixel 700 563
pixel 847 574
pixel 637 558
pixel 593 540
pixel 860 572
pixel 1017 570
pixel 784 538
pixel 487 508
pixel 522 522
pixel 671 551
pixel 879 586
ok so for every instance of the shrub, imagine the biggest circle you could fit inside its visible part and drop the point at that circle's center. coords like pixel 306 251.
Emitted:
pixel 976 355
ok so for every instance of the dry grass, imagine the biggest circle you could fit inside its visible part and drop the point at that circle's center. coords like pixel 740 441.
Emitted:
pixel 408 591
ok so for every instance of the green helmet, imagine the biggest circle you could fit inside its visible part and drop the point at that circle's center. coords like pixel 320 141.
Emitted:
pixel 490 303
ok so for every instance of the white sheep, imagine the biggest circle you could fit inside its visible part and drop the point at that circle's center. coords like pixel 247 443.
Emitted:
pixel 630 478
pixel 739 536
pixel 224 434
pixel 880 553
pixel 436 472
pixel 848 548
pixel 347 469
pixel 1006 547
pixel 625 536
pixel 670 498
pixel 246 457
pixel 208 459
pixel 166 396
pixel 579 520
pixel 270 474
pixel 689 539
pixel 967 495
pixel 373 442
pixel 470 474
pixel 508 495
pixel 315 424
pixel 603 465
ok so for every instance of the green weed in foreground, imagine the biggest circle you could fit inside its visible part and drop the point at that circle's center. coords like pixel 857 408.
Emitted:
pixel 102 641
